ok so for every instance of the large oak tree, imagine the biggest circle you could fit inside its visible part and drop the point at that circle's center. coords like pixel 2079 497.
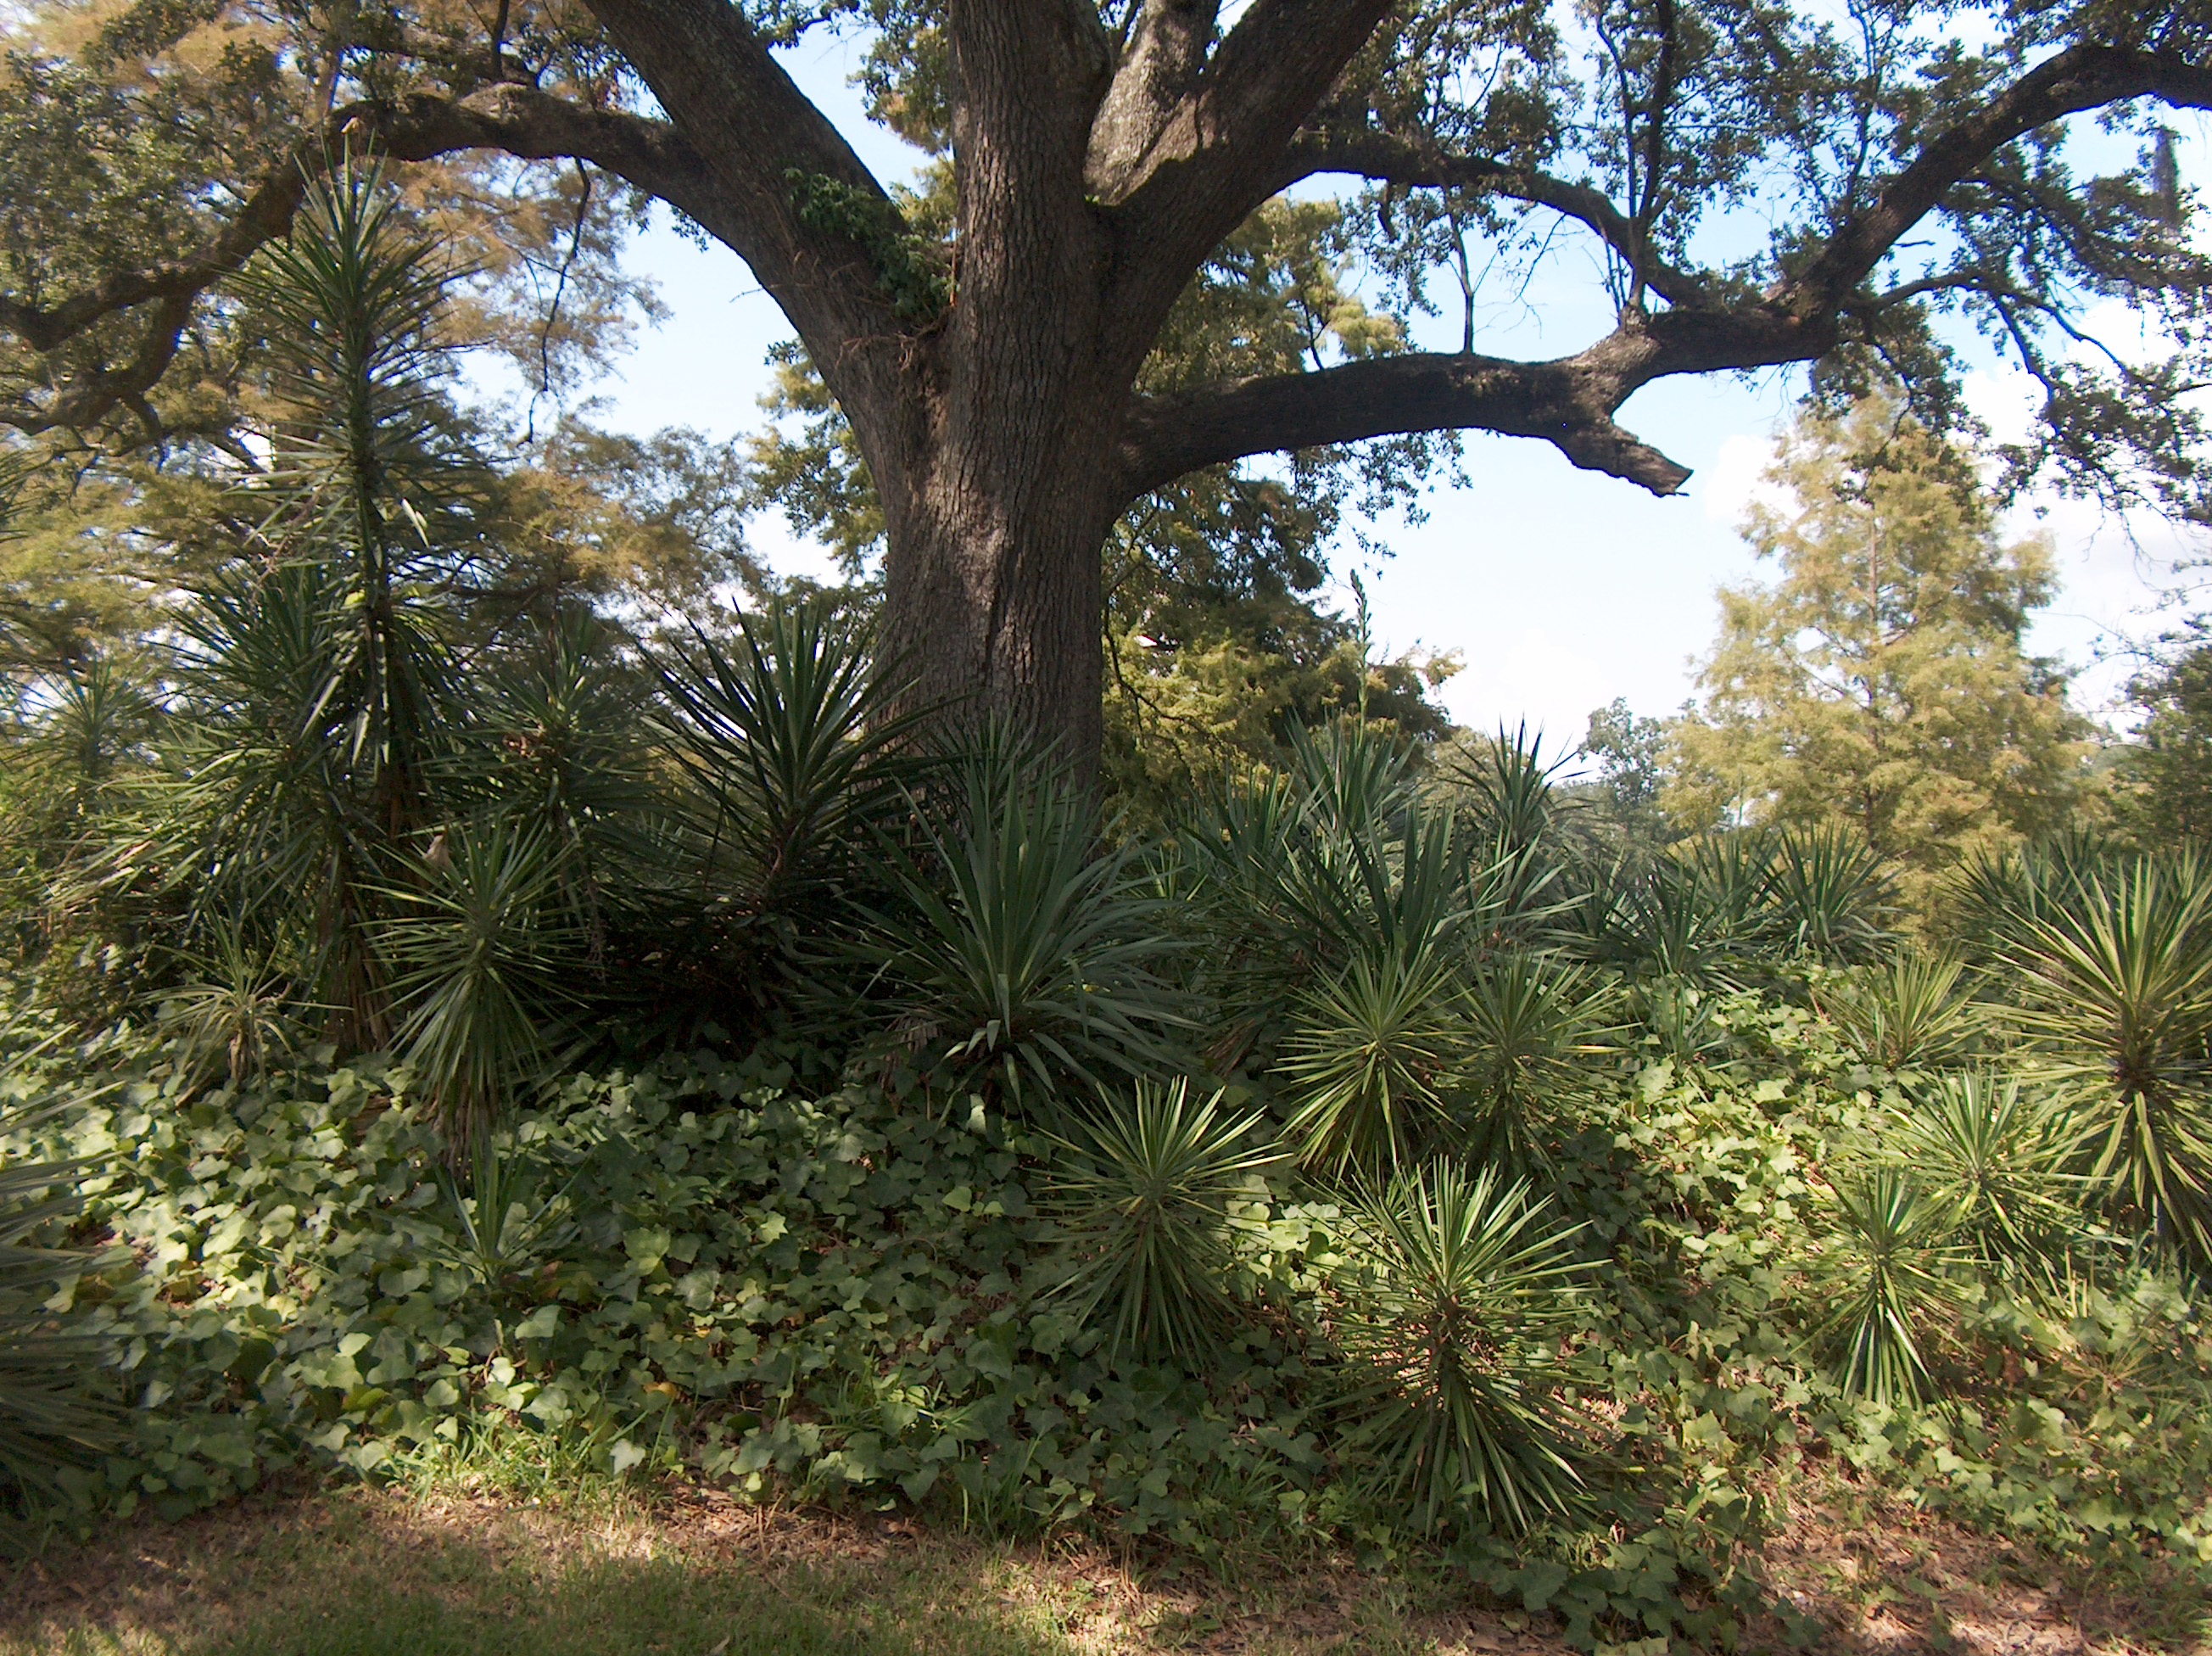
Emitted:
pixel 1903 160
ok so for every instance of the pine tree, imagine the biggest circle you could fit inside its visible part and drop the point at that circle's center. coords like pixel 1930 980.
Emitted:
pixel 1881 680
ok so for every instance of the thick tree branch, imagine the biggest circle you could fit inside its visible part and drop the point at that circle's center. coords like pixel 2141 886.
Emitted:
pixel 521 121
pixel 2080 78
pixel 1214 156
pixel 1387 159
pixel 767 152
pixel 1568 403
pixel 1166 50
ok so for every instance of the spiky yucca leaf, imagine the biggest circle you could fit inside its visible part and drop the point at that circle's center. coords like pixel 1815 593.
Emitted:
pixel 1376 1060
pixel 1997 1156
pixel 1887 1275
pixel 1911 1012
pixel 1144 1199
pixel 1455 1299
pixel 2116 986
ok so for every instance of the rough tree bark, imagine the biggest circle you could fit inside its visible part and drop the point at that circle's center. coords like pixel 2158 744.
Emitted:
pixel 993 398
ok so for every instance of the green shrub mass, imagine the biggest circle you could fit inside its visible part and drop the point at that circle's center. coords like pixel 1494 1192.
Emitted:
pixel 823 1290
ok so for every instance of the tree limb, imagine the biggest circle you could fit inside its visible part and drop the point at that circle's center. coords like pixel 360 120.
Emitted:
pixel 760 138
pixel 1568 403
pixel 1214 156
pixel 2080 78
pixel 517 119
pixel 1389 159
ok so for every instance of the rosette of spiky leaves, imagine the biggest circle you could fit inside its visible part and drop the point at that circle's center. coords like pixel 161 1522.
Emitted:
pixel 1456 1296
pixel 2117 991
pixel 1143 1193
pixel 784 735
pixel 51 1415
pixel 563 754
pixel 1911 1012
pixel 1509 785
pixel 1697 916
pixel 1997 1156
pixel 1831 897
pixel 1292 876
pixel 1024 954
pixel 238 1009
pixel 1995 897
pixel 1889 1274
pixel 481 957
pixel 1534 1025
pixel 1375 1061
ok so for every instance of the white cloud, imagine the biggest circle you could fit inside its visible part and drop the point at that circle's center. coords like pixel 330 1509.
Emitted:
pixel 1736 480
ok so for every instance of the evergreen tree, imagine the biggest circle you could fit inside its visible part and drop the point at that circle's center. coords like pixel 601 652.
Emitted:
pixel 1881 680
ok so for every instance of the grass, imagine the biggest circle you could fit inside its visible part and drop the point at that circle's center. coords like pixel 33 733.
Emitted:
pixel 437 1570
pixel 360 1572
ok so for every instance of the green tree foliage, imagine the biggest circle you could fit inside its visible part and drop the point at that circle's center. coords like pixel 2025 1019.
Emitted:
pixel 2170 761
pixel 1881 681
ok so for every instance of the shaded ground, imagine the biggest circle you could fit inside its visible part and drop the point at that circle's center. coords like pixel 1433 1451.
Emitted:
pixel 365 1572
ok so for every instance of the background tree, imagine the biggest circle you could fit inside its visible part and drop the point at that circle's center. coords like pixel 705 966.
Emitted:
pixel 1881 681
pixel 993 366
pixel 2170 761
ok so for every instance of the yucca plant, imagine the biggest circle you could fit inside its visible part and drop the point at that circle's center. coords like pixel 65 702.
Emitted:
pixel 1533 1026
pixel 1376 1061
pixel 1452 1305
pixel 1024 956
pixel 1911 1012
pixel 238 1010
pixel 1997 1156
pixel 1830 896
pixel 1143 1197
pixel 1290 879
pixel 506 1219
pixel 53 1415
pixel 319 689
pixel 479 957
pixel 2115 984
pixel 1888 1274
pixel 1995 895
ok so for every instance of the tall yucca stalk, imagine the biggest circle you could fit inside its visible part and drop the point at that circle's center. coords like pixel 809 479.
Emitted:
pixel 2117 992
pixel 320 692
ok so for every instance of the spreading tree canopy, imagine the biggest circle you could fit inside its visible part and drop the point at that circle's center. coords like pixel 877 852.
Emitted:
pixel 990 339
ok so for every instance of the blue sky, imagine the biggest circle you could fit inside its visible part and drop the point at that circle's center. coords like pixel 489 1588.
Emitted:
pixel 1560 589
